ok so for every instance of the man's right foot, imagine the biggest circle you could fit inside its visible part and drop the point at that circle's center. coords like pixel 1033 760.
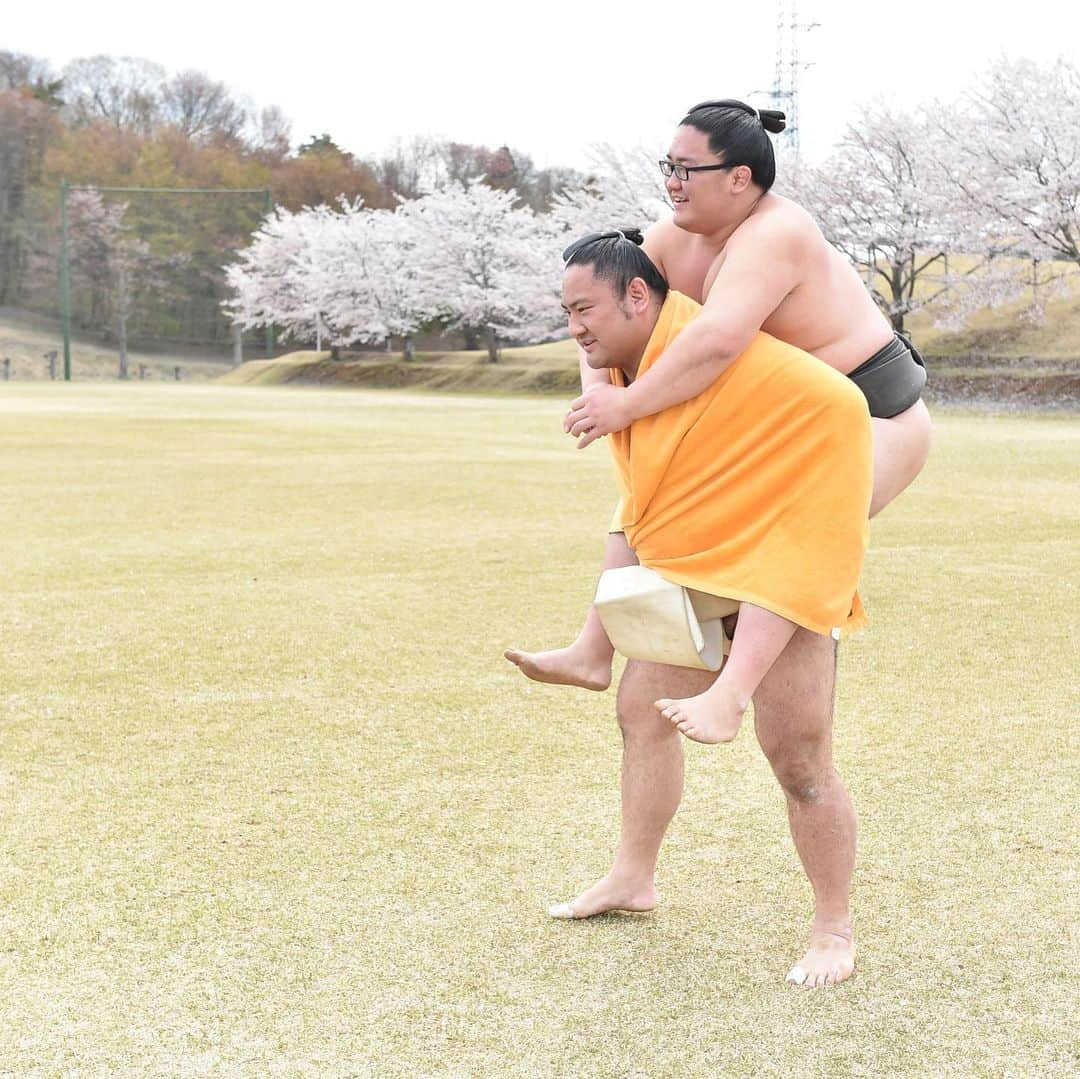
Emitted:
pixel 607 895
pixel 562 667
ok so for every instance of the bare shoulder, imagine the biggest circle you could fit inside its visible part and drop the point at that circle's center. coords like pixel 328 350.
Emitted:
pixel 663 241
pixel 778 224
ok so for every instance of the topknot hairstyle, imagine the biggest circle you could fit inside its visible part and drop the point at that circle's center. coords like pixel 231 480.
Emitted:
pixel 616 257
pixel 737 132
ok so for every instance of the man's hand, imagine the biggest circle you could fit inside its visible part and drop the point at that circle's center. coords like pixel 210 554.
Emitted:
pixel 599 411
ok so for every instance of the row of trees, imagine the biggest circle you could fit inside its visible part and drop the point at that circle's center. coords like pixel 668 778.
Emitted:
pixel 126 122
pixel 465 257
pixel 959 207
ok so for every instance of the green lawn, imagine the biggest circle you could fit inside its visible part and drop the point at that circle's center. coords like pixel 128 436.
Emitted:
pixel 274 805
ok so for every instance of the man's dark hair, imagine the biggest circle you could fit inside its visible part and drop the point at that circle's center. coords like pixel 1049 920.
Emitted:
pixel 737 133
pixel 616 257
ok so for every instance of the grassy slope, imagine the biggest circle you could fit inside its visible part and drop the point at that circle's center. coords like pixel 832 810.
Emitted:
pixel 537 369
pixel 273 804
pixel 1021 349
pixel 25 338
pixel 1006 332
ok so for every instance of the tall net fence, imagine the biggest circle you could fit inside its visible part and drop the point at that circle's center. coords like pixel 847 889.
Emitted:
pixel 142 271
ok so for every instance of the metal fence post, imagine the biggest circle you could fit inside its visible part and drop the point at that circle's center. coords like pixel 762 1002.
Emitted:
pixel 65 281
pixel 270 326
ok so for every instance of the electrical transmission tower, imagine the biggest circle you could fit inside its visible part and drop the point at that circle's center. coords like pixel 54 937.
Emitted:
pixel 785 91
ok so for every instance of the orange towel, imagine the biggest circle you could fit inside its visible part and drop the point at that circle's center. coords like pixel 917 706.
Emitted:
pixel 757 489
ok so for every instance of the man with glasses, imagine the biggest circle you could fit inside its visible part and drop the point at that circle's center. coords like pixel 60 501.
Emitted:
pixel 758 262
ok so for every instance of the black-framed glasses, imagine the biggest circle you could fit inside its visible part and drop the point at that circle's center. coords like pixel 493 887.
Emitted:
pixel 682 172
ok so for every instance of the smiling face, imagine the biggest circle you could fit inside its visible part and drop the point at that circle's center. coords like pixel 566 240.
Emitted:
pixel 706 201
pixel 613 330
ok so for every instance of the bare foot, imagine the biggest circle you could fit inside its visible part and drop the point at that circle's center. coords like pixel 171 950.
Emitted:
pixel 710 717
pixel 608 894
pixel 829 960
pixel 570 666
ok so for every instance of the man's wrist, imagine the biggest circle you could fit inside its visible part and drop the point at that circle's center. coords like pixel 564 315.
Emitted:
pixel 632 402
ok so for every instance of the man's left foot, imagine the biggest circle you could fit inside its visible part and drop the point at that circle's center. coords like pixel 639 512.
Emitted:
pixel 609 894
pixel 829 960
pixel 710 717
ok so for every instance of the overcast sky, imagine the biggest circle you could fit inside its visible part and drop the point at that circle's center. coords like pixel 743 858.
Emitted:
pixel 549 78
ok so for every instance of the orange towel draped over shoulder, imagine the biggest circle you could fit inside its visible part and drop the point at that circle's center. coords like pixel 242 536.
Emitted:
pixel 757 489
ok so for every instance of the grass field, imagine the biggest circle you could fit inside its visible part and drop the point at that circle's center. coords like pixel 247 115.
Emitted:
pixel 274 805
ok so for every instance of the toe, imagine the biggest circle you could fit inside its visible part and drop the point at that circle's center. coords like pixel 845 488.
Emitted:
pixel 796 976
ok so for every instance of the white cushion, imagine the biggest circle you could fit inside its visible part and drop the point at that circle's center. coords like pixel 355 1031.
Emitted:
pixel 647 617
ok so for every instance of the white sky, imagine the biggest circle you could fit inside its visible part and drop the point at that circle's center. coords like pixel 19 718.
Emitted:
pixel 549 78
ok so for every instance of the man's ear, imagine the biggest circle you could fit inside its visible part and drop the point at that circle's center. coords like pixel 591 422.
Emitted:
pixel 638 293
pixel 741 178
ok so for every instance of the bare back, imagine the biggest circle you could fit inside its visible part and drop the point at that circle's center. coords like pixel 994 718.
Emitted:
pixel 825 310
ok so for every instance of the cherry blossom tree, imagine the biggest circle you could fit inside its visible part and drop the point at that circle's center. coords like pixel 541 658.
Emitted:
pixel 883 200
pixel 280 279
pixel 107 256
pixel 1014 159
pixel 493 265
pixel 348 275
pixel 382 287
pixel 625 189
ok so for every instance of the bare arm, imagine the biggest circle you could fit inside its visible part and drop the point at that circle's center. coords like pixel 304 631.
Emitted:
pixel 590 376
pixel 760 268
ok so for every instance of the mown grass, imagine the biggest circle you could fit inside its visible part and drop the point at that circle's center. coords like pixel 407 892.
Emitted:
pixel 273 803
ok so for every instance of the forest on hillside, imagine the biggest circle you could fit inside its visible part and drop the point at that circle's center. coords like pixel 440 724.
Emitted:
pixel 120 122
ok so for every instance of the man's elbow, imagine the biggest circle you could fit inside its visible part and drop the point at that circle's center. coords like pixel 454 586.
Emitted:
pixel 720 342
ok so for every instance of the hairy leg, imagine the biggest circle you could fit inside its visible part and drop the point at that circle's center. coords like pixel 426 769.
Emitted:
pixel 901 446
pixel 587 662
pixel 652 783
pixel 793 720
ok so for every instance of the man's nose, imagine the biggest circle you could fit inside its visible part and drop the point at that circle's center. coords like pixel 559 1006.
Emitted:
pixel 577 327
pixel 673 183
